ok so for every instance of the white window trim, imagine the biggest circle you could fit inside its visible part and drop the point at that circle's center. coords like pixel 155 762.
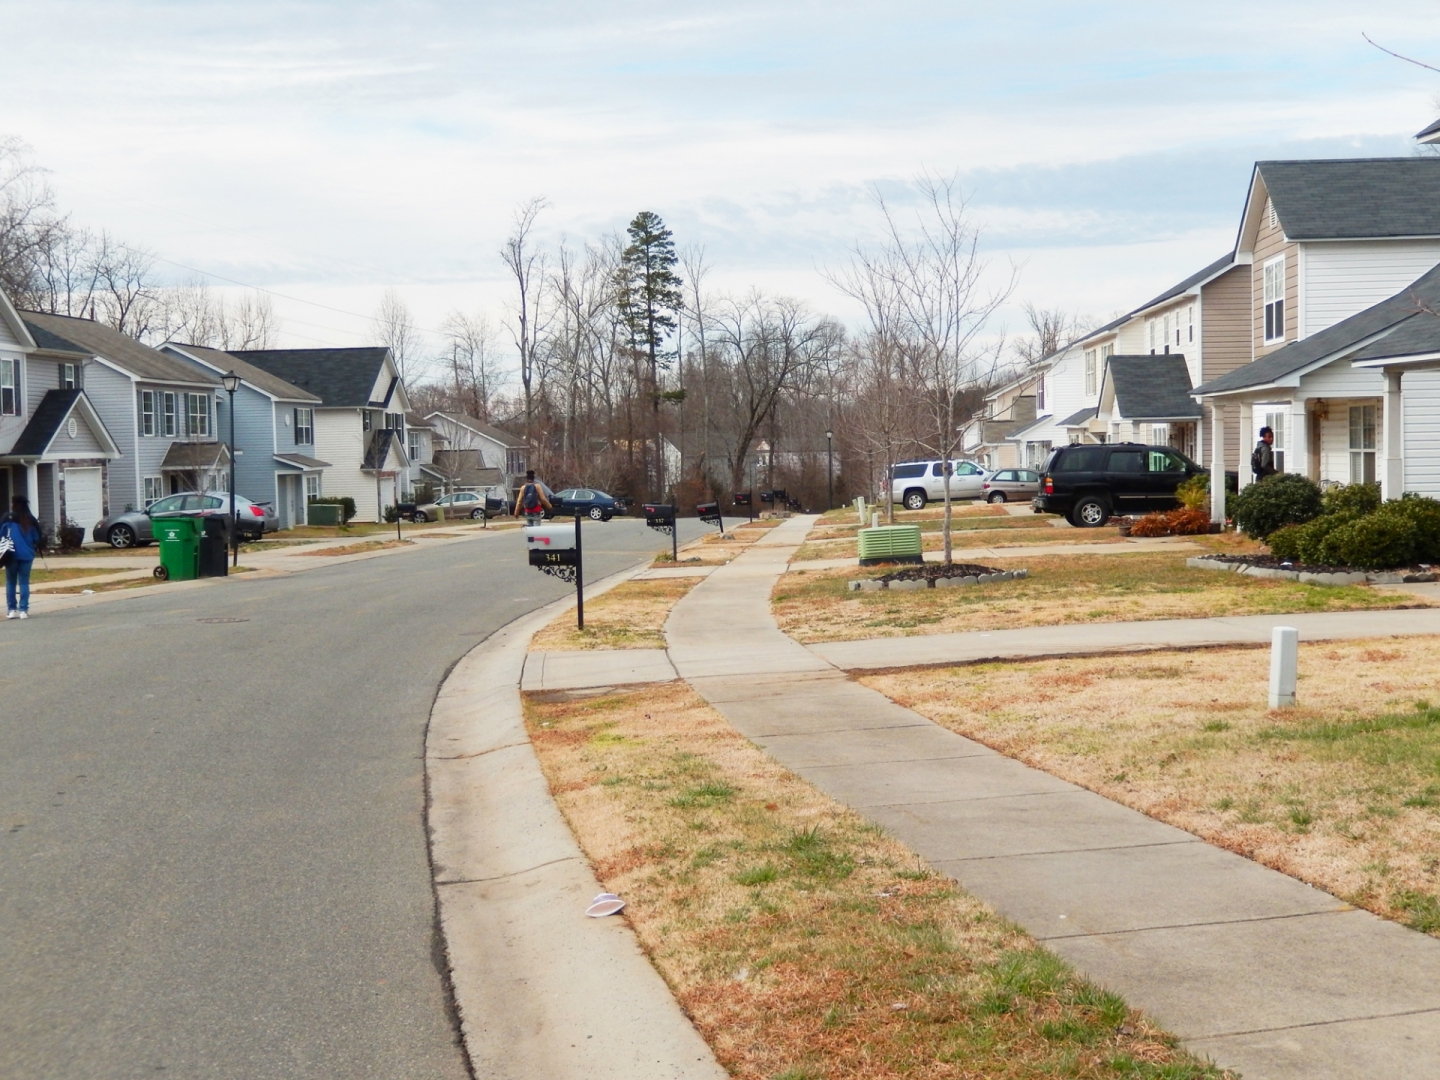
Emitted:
pixel 152 414
pixel 1267 274
pixel 157 485
pixel 12 366
pixel 169 425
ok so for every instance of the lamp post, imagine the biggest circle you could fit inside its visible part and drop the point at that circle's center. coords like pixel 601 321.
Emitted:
pixel 231 382
pixel 829 470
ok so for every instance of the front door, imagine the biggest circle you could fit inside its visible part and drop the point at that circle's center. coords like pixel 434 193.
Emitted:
pixel 84 495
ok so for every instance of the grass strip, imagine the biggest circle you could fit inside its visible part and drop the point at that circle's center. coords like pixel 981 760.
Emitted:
pixel 803 942
pixel 630 616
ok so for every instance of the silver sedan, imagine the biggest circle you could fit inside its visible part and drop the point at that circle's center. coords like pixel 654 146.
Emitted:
pixel 132 528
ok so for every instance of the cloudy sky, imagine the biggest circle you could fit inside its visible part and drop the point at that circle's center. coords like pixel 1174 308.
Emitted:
pixel 327 151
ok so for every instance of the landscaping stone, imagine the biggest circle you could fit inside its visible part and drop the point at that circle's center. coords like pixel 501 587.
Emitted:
pixel 908 585
pixel 1384 578
pixel 971 580
pixel 1357 577
pixel 871 585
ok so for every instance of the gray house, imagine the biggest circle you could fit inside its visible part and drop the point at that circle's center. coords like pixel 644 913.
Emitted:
pixel 275 458
pixel 160 411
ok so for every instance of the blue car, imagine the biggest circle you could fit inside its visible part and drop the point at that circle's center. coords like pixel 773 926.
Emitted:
pixel 587 502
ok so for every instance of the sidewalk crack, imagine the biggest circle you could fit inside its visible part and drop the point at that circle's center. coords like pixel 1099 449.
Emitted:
pixel 513 873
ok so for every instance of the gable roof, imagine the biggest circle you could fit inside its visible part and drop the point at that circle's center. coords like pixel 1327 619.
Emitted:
pixel 1354 198
pixel 1078 419
pixel 257 377
pixel 1430 134
pixel 1152 387
pixel 1219 266
pixel 1358 329
pixel 489 431
pixel 66 334
pixel 53 409
pixel 340 378
pixel 187 456
pixel 11 318
pixel 384 443
pixel 1419 335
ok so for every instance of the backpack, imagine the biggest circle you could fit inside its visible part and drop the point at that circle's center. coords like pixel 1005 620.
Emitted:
pixel 530 497
pixel 1255 465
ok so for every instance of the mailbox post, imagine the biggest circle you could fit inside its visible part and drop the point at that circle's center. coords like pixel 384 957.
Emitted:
pixel 661 518
pixel 557 550
pixel 710 513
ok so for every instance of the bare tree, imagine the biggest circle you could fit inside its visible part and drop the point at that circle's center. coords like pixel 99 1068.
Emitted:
pixel 251 324
pixel 128 297
pixel 526 263
pixel 28 222
pixel 692 260
pixel 1051 329
pixel 397 330
pixel 472 364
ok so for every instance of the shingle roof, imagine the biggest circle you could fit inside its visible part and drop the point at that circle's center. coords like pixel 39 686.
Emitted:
pixel 302 461
pixel 381 443
pixel 257 377
pixel 1345 334
pixel 49 414
pixel 1433 129
pixel 1355 198
pixel 340 378
pixel 504 438
pixel 53 342
pixel 182 455
pixel 1084 416
pixel 463 468
pixel 1225 261
pixel 1419 335
pixel 1152 387
pixel 96 339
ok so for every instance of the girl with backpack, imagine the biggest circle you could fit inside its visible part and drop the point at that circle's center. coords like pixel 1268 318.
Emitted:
pixel 20 541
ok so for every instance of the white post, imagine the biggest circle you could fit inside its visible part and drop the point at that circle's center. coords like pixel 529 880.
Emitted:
pixel 1297 441
pixel 875 520
pixel 1247 443
pixel 1217 462
pixel 1284 660
pixel 1392 480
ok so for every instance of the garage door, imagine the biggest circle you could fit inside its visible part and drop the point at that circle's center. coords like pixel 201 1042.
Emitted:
pixel 83 498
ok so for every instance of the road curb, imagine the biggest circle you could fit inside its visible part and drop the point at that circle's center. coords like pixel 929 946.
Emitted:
pixel 540 989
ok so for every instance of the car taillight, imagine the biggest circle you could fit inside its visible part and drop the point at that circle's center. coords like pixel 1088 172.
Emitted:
pixel 257 511
pixel 985 485
pixel 1049 485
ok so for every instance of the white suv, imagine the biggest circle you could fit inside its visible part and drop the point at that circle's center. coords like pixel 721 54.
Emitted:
pixel 914 483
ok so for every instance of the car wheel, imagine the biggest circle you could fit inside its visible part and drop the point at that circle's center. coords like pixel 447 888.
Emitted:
pixel 596 514
pixel 121 536
pixel 914 500
pixel 1090 513
pixel 997 497
pixel 476 515
pixel 419 517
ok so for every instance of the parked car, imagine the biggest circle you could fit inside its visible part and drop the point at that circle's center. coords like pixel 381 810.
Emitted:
pixel 914 483
pixel 596 505
pixel 461 504
pixel 1089 483
pixel 1007 484
pixel 133 527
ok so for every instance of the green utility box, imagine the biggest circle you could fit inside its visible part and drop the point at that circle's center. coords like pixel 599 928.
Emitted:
pixel 890 544
pixel 179 539
pixel 324 514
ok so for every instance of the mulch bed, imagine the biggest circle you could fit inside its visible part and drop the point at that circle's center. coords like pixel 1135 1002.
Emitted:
pixel 1274 562
pixel 936 571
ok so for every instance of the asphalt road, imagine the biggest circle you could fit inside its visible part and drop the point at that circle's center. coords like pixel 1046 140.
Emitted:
pixel 212 848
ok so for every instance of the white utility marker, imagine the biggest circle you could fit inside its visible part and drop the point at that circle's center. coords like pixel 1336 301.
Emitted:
pixel 1284 660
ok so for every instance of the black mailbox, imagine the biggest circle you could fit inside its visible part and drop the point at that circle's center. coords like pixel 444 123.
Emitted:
pixel 741 498
pixel 709 512
pixel 781 497
pixel 659 516
pixel 767 496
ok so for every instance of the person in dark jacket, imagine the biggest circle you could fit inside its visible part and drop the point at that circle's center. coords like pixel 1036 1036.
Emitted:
pixel 1262 461
pixel 23 531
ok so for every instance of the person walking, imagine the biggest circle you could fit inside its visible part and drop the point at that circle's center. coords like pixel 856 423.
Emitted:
pixel 532 501
pixel 24 540
pixel 1262 461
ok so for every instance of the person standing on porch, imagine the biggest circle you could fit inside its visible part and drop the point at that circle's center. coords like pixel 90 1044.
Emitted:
pixel 1262 461
pixel 20 528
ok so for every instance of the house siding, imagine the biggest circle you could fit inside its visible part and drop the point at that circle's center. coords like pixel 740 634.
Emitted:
pixel 1343 278
pixel 1270 242
pixel 340 441
pixel 255 467
pixel 113 396
pixel 1422 432
pixel 84 444
pixel 12 426
pixel 1225 335
pixel 8 340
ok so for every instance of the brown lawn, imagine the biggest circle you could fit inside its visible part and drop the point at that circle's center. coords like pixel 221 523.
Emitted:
pixel 630 616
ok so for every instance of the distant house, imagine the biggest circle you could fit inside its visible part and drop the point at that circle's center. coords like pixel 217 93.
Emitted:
pixel 359 432
pixel 463 440
pixel 54 448
pixel 159 411
pixel 275 458
pixel 1147 399
pixel 997 436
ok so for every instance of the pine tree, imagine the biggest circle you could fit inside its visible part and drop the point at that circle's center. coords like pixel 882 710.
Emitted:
pixel 649 295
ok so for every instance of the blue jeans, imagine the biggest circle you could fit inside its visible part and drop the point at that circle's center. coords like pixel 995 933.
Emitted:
pixel 17 571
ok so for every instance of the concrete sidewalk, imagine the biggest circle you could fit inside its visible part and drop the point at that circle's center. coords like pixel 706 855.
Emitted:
pixel 1265 974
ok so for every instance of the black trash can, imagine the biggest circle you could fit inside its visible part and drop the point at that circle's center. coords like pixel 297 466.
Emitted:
pixel 215 546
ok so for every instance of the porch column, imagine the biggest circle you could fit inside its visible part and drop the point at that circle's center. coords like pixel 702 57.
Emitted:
pixel 32 487
pixel 1246 441
pixel 1217 462
pixel 1392 480
pixel 1297 444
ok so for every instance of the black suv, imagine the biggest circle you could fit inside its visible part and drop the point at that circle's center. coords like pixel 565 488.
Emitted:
pixel 1089 483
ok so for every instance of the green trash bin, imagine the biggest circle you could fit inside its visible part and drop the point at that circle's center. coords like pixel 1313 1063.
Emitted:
pixel 179 539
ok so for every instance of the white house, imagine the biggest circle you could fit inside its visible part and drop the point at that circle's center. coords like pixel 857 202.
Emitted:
pixel 468 447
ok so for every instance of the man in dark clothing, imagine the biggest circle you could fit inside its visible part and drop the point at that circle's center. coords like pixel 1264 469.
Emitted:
pixel 532 501
pixel 1262 461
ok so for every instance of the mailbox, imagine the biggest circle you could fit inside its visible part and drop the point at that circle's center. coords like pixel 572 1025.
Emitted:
pixel 781 497
pixel 660 516
pixel 550 537
pixel 709 512
pixel 741 498
pixel 767 496
pixel 541 558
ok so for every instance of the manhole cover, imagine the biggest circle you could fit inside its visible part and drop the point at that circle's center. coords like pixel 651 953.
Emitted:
pixel 222 619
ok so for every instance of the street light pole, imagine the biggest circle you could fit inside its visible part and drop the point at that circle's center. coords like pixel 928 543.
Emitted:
pixel 829 470
pixel 231 382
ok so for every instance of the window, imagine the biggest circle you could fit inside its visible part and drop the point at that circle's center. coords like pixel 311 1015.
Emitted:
pixel 1276 422
pixel 1274 271
pixel 168 427
pixel 909 472
pixel 1127 461
pixel 1168 323
pixel 395 421
pixel 1190 323
pixel 197 414
pixel 9 387
pixel 1086 459
pixel 69 376
pixel 515 461
pixel 1107 351
pixel 154 487
pixel 413 445
pixel 304 427
pixel 366 421
pixel 1089 371
pixel 1040 395
pixel 1162 461
pixel 312 486
pixel 1362 444
pixel 1150 335
pixel 147 412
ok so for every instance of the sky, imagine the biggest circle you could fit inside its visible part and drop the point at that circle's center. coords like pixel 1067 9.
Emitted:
pixel 328 151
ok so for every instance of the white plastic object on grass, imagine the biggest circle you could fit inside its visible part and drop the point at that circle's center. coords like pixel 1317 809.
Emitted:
pixel 607 903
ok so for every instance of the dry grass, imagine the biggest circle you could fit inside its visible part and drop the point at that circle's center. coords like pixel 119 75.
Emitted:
pixel 801 941
pixel 630 616
pixel 959 523
pixel 1025 534
pixel 1342 792
pixel 813 606
pixel 355 549
pixel 41 576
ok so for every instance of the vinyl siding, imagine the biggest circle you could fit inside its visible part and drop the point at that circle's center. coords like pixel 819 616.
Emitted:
pixel 1225 337
pixel 113 396
pixel 1130 338
pixel 1340 379
pixel 11 426
pixel 85 444
pixel 153 448
pixel 7 337
pixel 255 467
pixel 340 441
pixel 1422 432
pixel 1269 243
pixel 1343 278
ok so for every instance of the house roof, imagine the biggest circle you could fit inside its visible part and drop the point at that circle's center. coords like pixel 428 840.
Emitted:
pixel 1354 198
pixel 504 438
pixel 1225 262
pixel 1429 134
pixel 415 420
pixel 258 377
pixel 1078 419
pixel 1152 387
pixel 383 443
pixel 1358 329
pixel 340 378
pixel 51 412
pixel 300 461
pixel 461 468
pixel 12 319
pixel 66 334
pixel 195 455
pixel 1419 335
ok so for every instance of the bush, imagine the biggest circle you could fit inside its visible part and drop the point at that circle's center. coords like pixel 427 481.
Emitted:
pixel 1350 501
pixel 1184 522
pixel 1303 543
pixel 1379 541
pixel 344 501
pixel 391 514
pixel 1277 501
pixel 1194 494
pixel 1425 515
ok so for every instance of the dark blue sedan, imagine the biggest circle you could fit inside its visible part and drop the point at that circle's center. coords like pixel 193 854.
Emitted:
pixel 587 502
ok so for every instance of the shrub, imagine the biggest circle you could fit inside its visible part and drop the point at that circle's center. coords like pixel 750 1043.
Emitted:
pixel 1425 514
pixel 1350 501
pixel 1303 543
pixel 1194 494
pixel 344 501
pixel 1276 501
pixel 1379 541
pixel 1184 522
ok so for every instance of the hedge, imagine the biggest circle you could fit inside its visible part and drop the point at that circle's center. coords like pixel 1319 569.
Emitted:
pixel 1277 501
pixel 1398 533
